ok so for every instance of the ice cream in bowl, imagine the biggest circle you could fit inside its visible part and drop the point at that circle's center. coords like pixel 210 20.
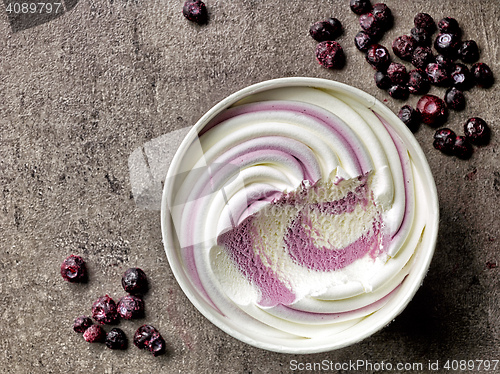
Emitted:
pixel 299 215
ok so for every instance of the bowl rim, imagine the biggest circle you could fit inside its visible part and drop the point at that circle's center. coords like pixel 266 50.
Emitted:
pixel 413 280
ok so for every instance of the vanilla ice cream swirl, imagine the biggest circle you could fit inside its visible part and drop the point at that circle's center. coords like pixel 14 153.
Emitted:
pixel 295 212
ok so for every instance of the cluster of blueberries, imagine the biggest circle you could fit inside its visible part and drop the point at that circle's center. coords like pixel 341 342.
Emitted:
pixel 440 71
pixel 106 311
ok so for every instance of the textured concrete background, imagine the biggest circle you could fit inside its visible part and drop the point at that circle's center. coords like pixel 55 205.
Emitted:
pixel 80 93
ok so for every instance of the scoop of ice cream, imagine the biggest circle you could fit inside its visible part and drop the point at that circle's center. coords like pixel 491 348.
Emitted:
pixel 301 243
pixel 295 212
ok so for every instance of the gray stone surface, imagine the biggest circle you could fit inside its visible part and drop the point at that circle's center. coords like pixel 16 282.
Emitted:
pixel 81 93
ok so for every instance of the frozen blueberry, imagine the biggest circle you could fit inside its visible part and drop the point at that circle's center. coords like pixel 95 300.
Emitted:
pixel 449 25
pixel 425 21
pixel 73 269
pixel 81 324
pixel 360 6
pixel 438 75
pixel 147 337
pixel 370 24
pixel 134 281
pixel 378 57
pixel 422 56
pixel 94 334
pixel 462 78
pixel 444 139
pixel 116 339
pixel 320 31
pixel 482 74
pixel 397 73
pixel 382 81
pixel 421 36
pixel 469 51
pixel 104 310
pixel 131 306
pixel 455 99
pixel 403 47
pixel 330 29
pixel 143 336
pixel 462 148
pixel 330 55
pixel 195 11
pixel 362 41
pixel 410 117
pixel 447 45
pixel 399 92
pixel 418 83
pixel 383 15
pixel 477 131
pixel 432 110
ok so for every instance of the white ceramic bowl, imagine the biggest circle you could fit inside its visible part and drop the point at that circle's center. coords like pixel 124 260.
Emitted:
pixel 369 324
